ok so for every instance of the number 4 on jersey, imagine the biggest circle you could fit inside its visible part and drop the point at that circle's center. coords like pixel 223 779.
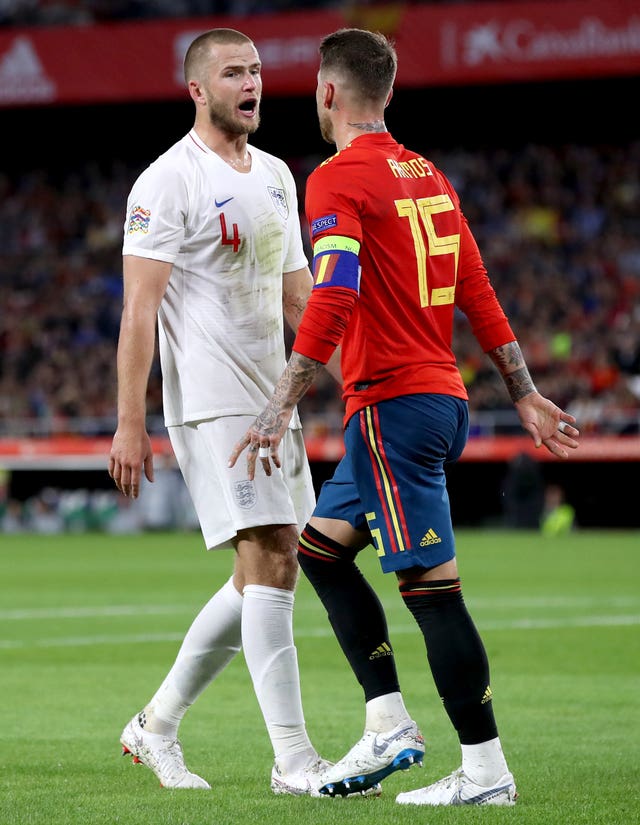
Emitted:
pixel 229 240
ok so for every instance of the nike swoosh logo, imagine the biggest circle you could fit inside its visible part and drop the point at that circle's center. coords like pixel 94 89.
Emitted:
pixel 380 744
pixel 222 203
pixel 479 799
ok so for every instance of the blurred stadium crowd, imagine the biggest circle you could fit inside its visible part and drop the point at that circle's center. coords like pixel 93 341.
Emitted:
pixel 559 228
pixel 84 12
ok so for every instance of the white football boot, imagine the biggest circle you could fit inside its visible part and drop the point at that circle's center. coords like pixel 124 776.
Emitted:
pixel 307 781
pixel 458 789
pixel 161 754
pixel 373 758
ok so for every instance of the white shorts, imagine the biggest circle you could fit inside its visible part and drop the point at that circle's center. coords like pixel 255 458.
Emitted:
pixel 224 498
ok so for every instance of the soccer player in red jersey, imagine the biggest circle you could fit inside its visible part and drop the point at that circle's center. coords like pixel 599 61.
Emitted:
pixel 393 258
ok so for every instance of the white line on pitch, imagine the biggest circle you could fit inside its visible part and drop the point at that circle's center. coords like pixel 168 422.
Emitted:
pixel 541 603
pixel 518 624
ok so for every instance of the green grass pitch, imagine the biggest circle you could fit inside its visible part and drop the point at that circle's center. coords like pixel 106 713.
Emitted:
pixel 89 624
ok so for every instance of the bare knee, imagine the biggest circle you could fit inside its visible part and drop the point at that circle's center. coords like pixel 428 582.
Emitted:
pixel 268 556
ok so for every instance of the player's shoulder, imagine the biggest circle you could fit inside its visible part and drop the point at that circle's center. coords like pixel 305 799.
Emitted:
pixel 348 170
pixel 173 163
pixel 332 167
pixel 353 156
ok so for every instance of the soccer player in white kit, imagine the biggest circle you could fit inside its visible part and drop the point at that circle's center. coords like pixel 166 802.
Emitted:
pixel 213 252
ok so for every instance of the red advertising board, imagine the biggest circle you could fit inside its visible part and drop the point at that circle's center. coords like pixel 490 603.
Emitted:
pixel 471 43
pixel 83 453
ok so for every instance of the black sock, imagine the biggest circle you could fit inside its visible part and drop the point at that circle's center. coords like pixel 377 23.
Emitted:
pixel 354 610
pixel 456 656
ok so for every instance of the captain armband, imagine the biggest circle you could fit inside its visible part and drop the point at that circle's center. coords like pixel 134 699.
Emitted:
pixel 336 262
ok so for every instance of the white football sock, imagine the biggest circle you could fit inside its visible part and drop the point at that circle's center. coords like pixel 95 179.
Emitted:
pixel 484 764
pixel 211 642
pixel 385 712
pixel 267 640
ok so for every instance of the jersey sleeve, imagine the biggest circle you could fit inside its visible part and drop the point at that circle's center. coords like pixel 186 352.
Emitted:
pixel 156 214
pixel 330 207
pixel 323 324
pixel 334 228
pixel 476 297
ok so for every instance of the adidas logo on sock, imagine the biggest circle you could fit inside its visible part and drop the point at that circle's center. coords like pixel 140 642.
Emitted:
pixel 382 650
pixel 430 537
pixel 487 696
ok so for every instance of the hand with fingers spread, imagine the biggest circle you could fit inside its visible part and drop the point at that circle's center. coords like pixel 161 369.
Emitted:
pixel 547 424
pixel 262 440
pixel 266 432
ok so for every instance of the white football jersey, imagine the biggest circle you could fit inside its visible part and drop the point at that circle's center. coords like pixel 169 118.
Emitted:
pixel 230 237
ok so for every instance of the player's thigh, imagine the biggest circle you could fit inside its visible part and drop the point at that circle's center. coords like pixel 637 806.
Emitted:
pixel 339 498
pixel 397 450
pixel 225 500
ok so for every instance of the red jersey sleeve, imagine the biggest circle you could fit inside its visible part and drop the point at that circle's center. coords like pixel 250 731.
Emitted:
pixel 325 319
pixel 335 290
pixel 476 297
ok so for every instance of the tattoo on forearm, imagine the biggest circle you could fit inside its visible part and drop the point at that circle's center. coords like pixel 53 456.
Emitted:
pixel 298 376
pixel 510 363
pixel 519 384
pixel 507 357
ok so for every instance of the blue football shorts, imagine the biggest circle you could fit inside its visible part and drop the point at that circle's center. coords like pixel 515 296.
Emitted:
pixel 391 480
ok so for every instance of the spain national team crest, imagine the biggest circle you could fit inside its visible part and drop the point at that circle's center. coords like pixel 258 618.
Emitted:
pixel 245 494
pixel 280 200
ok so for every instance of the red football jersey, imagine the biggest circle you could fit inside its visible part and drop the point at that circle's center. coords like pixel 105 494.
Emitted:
pixel 392 210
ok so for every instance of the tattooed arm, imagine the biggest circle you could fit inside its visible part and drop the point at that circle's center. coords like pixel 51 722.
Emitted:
pixel 545 422
pixel 269 427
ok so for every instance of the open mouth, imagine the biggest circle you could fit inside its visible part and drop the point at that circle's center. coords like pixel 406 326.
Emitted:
pixel 248 106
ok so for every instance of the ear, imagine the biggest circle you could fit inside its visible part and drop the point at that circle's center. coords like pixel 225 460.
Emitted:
pixel 388 101
pixel 328 95
pixel 197 95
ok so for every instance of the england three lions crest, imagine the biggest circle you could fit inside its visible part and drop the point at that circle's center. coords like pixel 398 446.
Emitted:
pixel 245 494
pixel 280 200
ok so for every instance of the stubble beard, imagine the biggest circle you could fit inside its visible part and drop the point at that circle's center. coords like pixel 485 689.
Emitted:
pixel 326 128
pixel 223 119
